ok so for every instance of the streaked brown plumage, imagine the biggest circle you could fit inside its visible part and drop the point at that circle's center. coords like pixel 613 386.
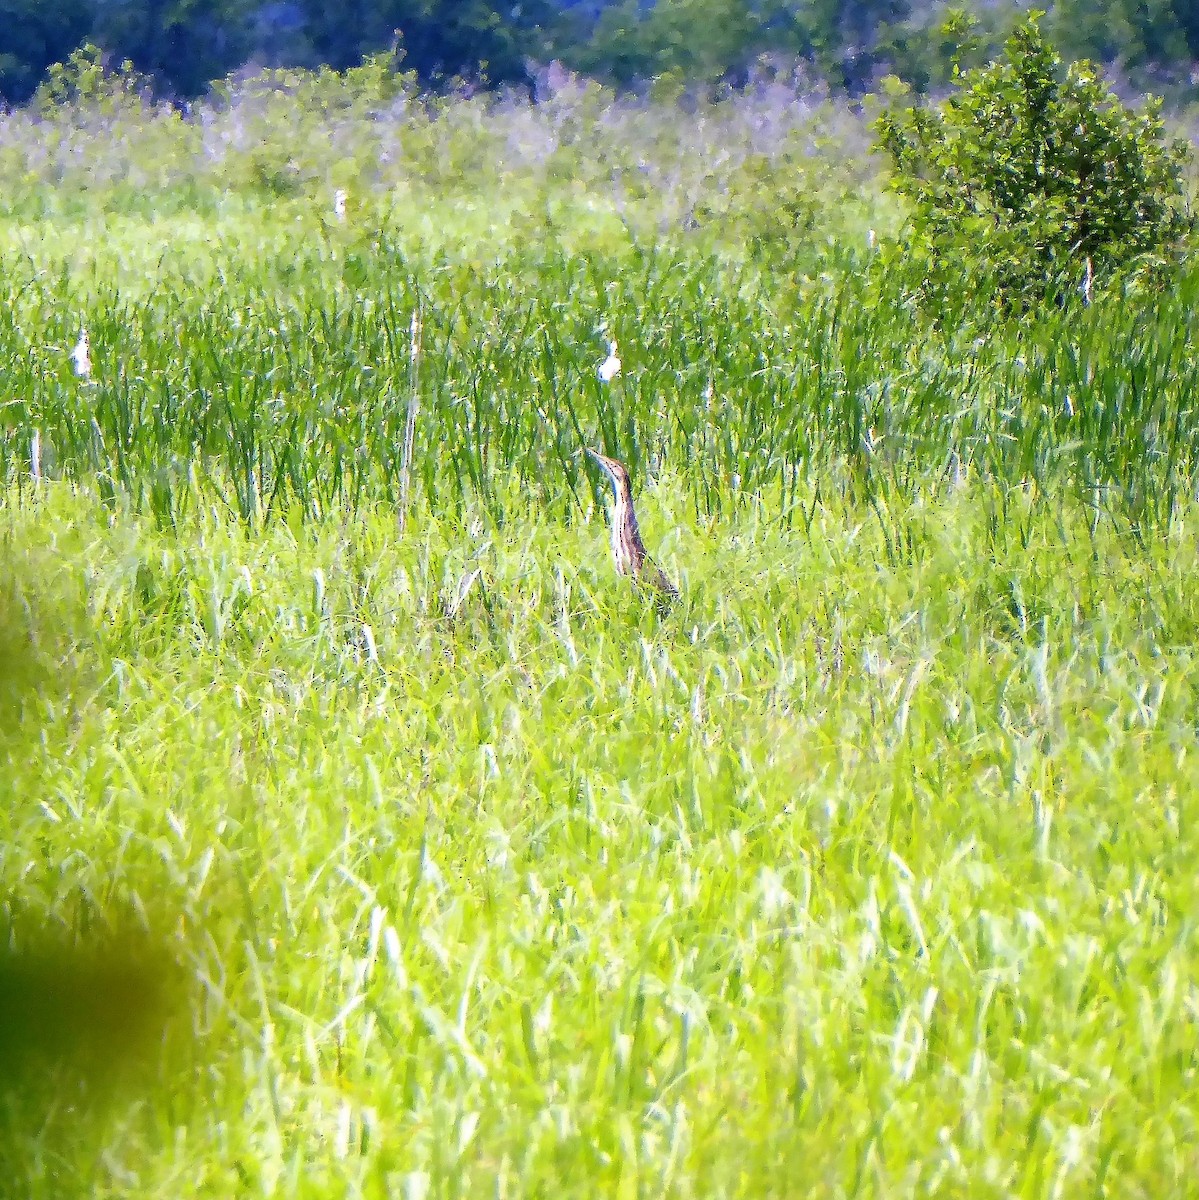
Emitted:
pixel 627 547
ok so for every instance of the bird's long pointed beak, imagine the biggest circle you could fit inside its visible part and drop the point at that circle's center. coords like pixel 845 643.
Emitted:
pixel 602 462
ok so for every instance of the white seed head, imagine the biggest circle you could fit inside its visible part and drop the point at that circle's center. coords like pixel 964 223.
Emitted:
pixel 81 356
pixel 610 367
pixel 339 204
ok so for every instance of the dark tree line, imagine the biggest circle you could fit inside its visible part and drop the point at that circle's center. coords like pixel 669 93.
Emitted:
pixel 184 44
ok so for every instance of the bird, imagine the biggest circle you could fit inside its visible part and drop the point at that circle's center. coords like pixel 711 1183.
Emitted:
pixel 627 547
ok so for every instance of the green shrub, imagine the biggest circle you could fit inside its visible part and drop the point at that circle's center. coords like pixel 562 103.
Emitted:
pixel 86 80
pixel 1028 180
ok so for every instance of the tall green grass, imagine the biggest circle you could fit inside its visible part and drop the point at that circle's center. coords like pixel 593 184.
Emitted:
pixel 867 870
pixel 848 878
pixel 282 389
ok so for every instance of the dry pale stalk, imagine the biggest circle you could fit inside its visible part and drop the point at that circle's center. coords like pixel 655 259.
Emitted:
pixel 414 347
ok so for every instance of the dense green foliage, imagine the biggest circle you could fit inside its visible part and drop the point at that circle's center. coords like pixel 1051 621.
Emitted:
pixel 184 44
pixel 862 873
pixel 867 869
pixel 302 411
pixel 1027 182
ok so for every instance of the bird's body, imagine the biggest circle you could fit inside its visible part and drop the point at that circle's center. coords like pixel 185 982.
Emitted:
pixel 628 550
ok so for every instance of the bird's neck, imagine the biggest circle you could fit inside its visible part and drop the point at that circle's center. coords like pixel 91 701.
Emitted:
pixel 624 525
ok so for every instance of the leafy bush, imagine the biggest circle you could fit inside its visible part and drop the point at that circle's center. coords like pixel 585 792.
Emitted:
pixel 1027 179
pixel 87 80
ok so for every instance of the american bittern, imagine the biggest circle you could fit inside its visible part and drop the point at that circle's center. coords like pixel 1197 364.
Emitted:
pixel 627 547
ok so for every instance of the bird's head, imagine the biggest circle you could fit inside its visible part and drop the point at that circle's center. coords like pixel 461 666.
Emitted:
pixel 614 470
